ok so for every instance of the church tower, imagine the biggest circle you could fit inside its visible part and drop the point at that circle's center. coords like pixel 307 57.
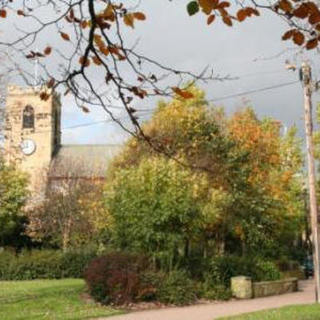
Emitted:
pixel 31 133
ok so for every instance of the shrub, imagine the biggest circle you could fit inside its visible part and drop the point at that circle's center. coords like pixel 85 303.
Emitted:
pixel 43 264
pixel 150 282
pixel 223 268
pixel 177 289
pixel 215 292
pixel 266 271
pixel 115 277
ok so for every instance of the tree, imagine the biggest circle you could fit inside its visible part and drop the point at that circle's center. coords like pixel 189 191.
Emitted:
pixel 70 216
pixel 92 39
pixel 245 176
pixel 13 196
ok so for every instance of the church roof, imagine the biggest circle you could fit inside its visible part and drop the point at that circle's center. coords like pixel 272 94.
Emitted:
pixel 82 161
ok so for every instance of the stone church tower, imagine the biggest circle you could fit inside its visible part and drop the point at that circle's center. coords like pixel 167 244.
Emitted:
pixel 31 133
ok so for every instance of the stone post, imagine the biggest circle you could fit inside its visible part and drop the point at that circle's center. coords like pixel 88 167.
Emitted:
pixel 241 287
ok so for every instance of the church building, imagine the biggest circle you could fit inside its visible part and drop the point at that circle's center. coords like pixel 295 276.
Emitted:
pixel 32 140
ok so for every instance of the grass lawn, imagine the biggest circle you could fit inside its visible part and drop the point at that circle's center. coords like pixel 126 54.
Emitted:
pixel 48 300
pixel 303 312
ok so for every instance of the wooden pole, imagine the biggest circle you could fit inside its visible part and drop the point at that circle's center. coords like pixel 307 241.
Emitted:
pixel 306 79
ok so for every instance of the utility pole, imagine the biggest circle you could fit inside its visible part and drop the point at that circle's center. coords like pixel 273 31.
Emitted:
pixel 305 75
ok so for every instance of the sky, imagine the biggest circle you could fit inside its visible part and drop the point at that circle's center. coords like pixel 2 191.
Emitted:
pixel 251 51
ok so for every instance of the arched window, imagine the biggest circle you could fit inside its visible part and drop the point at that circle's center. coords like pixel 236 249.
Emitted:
pixel 28 118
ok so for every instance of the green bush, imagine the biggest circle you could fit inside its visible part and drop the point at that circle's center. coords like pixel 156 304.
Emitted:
pixel 215 292
pixel 176 288
pixel 223 268
pixel 266 271
pixel 43 264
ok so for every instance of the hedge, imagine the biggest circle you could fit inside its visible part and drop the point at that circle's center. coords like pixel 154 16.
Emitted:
pixel 43 264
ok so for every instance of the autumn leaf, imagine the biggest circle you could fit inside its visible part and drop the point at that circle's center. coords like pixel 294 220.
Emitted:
pixel 224 4
pixel 85 109
pixel 251 11
pixel 44 96
pixel 241 15
pixel 182 93
pixel 311 44
pixel 227 20
pixel 84 61
pixel 84 24
pixel 287 35
pixel 50 83
pixel 21 13
pixel 298 38
pixel 139 16
pixel 96 60
pixel 64 36
pixel 211 18
pixel 3 13
pixel 192 8
pixel 103 49
pixel 314 18
pixel 285 5
pixel 301 12
pixel 128 20
pixel 47 51
pixel 206 6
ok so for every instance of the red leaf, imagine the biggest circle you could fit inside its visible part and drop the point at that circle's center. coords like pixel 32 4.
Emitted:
pixel 211 18
pixel 3 13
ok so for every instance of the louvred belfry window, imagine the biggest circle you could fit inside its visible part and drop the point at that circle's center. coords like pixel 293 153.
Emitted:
pixel 28 118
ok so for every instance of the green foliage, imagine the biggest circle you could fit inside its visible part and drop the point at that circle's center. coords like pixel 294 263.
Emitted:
pixel 240 182
pixel 43 264
pixel 222 269
pixel 192 8
pixel 177 288
pixel 154 209
pixel 13 194
pixel 215 292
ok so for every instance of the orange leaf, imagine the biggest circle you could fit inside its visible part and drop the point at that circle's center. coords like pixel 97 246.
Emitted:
pixel 65 36
pixel 206 6
pixel 224 4
pixel 96 60
pixel 211 19
pixel 183 93
pixel 20 13
pixel 314 18
pixel 128 20
pixel 301 12
pixel 139 16
pixel 84 61
pixel 84 24
pixel 241 14
pixel 287 35
pixel 104 50
pixel 285 5
pixel 3 13
pixel 250 11
pixel 47 51
pixel 298 38
pixel 44 96
pixel 227 20
pixel 311 44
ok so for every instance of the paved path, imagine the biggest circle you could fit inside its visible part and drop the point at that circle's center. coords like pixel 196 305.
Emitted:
pixel 212 311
